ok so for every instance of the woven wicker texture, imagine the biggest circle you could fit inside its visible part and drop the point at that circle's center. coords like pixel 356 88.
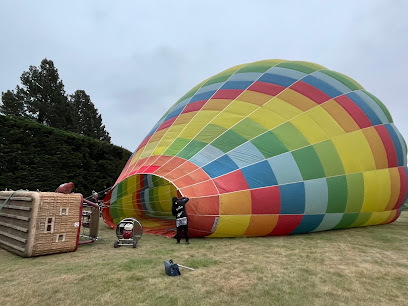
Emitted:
pixel 39 223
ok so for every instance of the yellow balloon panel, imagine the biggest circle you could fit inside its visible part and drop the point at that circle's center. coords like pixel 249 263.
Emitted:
pixel 231 226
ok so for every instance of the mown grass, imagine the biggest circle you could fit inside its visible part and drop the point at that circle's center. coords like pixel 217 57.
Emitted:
pixel 361 266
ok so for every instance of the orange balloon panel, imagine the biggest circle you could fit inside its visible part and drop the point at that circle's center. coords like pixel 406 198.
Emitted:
pixel 272 147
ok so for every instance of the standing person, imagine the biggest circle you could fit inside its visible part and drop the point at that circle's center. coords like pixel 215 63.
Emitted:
pixel 95 199
pixel 179 210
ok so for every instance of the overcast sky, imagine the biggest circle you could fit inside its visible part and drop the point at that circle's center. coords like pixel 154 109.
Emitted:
pixel 136 58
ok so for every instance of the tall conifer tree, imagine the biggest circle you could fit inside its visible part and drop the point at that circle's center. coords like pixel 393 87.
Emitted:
pixel 13 105
pixel 44 95
pixel 87 120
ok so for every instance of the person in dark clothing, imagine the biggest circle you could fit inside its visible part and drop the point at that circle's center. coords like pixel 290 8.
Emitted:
pixel 179 211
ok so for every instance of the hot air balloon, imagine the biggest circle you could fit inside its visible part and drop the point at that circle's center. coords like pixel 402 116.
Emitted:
pixel 273 147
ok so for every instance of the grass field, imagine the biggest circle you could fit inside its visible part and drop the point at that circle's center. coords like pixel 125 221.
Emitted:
pixel 361 266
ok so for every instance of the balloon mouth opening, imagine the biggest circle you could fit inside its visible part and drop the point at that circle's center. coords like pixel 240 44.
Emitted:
pixel 146 197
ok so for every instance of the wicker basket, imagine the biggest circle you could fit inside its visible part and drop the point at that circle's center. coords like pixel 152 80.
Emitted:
pixel 39 223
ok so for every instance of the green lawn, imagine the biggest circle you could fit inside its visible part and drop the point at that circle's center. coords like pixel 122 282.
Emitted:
pixel 361 266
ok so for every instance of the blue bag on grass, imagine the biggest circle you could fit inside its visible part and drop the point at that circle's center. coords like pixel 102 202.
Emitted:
pixel 171 268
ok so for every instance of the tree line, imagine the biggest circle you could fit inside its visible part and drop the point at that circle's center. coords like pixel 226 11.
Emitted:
pixel 34 156
pixel 42 98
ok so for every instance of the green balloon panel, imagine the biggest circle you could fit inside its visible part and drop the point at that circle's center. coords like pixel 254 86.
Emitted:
pixel 269 148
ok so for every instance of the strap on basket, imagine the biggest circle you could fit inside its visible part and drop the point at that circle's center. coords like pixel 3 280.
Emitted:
pixel 4 203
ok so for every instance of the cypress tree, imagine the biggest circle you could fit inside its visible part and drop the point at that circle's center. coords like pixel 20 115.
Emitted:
pixel 13 104
pixel 87 120
pixel 42 98
pixel 44 95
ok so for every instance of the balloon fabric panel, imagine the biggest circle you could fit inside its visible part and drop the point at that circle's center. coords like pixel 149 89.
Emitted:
pixel 272 147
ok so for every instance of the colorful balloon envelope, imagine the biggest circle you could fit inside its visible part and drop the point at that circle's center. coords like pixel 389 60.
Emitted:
pixel 272 147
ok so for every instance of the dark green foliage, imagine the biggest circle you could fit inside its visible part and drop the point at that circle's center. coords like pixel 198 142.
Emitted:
pixel 34 156
pixel 86 119
pixel 13 104
pixel 42 98
pixel 44 95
